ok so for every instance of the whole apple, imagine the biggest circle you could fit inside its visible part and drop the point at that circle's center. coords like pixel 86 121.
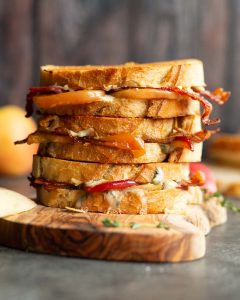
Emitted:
pixel 15 159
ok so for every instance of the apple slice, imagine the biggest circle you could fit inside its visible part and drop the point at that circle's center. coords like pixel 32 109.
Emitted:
pixel 13 203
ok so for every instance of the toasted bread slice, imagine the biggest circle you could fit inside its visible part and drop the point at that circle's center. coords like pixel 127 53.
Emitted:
pixel 88 152
pixel 75 173
pixel 138 200
pixel 184 73
pixel 130 108
pixel 152 130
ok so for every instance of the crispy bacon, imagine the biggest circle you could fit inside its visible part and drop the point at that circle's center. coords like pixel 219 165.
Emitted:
pixel 203 135
pixel 34 91
pixel 136 145
pixel 113 185
pixel 122 141
pixel 218 96
pixel 48 185
pixel 182 142
pixel 207 106
pixel 187 139
pixel 197 178
pixel 21 141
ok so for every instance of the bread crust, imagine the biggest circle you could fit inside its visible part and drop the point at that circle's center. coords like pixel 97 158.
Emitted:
pixel 152 130
pixel 184 73
pixel 130 201
pixel 154 153
pixel 130 108
pixel 71 172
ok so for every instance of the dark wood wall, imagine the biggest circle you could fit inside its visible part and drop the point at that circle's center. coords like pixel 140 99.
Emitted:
pixel 39 32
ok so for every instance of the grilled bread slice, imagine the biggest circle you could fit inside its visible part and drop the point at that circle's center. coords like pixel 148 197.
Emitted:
pixel 185 73
pixel 152 130
pixel 88 152
pixel 136 200
pixel 130 108
pixel 76 173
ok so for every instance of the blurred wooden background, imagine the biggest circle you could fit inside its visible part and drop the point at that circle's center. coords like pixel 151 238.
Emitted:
pixel 39 32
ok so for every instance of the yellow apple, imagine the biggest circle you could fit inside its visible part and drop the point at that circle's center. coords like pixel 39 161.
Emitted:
pixel 15 159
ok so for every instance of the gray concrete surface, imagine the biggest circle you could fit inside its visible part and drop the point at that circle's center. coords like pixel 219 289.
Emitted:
pixel 29 276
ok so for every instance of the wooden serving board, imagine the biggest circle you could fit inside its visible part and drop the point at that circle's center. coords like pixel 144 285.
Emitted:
pixel 61 232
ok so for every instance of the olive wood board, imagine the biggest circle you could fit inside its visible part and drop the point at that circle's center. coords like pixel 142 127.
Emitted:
pixel 62 232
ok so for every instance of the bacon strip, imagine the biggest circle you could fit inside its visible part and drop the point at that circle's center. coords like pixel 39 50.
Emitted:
pixel 196 137
pixel 48 185
pixel 207 106
pixel 21 141
pixel 198 178
pixel 136 145
pixel 218 96
pixel 34 91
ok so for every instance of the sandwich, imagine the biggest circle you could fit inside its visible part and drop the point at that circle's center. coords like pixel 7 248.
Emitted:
pixel 120 138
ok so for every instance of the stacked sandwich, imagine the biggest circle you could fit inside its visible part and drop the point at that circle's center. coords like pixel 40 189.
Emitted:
pixel 120 138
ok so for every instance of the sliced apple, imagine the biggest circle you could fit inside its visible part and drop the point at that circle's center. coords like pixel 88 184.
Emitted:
pixel 145 93
pixel 12 203
pixel 69 98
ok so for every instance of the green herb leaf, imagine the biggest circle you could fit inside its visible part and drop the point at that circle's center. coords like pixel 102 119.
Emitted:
pixel 165 148
pixel 163 226
pixel 217 194
pixel 230 205
pixel 134 225
pixel 110 223
pixel 207 196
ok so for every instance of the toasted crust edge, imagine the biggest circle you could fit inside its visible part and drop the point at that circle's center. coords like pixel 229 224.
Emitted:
pixel 59 170
pixel 184 73
pixel 131 202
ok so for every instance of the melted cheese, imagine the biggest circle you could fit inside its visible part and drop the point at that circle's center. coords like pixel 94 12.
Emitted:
pixel 92 183
pixel 82 133
pixel 159 176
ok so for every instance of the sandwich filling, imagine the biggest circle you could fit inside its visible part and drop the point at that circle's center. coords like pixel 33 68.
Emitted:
pixel 52 96
pixel 126 196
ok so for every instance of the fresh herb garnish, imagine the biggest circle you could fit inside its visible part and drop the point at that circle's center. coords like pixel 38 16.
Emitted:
pixel 134 225
pixel 222 201
pixel 163 226
pixel 114 223
pixel 217 194
pixel 229 205
pixel 110 223
pixel 165 148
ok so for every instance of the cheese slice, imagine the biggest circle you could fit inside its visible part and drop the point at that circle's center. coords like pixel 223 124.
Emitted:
pixel 13 203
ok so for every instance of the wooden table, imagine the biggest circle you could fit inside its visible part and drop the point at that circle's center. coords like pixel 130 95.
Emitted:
pixel 33 276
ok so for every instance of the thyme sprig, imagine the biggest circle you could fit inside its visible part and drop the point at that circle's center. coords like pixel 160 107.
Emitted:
pixel 133 225
pixel 224 202
pixel 111 223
